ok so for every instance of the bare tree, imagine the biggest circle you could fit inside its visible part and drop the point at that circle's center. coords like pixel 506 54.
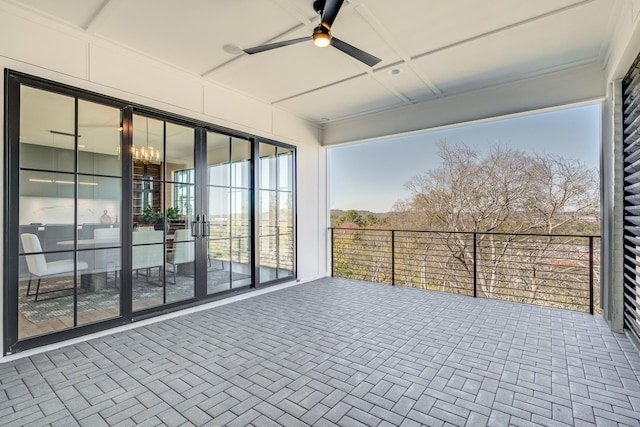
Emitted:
pixel 506 191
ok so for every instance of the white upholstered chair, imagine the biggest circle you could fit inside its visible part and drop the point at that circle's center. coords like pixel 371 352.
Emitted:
pixel 183 250
pixel 148 250
pixel 39 267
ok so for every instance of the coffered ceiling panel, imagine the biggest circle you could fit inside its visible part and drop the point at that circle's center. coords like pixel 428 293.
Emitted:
pixel 429 48
pixel 74 12
pixel 423 26
pixel 339 100
pixel 565 39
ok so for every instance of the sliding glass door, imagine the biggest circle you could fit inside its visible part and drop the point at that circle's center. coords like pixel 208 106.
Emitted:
pixel 228 229
pixel 115 212
pixel 276 213
pixel 69 205
pixel 164 203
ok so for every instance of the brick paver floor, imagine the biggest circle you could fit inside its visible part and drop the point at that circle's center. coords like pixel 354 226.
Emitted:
pixel 339 352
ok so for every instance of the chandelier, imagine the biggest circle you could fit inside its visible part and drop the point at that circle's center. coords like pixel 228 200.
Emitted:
pixel 145 153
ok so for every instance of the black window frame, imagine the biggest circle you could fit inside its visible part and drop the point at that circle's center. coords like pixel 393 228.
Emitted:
pixel 13 81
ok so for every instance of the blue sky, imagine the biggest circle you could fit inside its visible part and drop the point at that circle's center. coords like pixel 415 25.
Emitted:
pixel 371 176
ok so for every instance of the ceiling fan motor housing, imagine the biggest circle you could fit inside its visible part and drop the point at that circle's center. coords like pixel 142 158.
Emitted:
pixel 318 6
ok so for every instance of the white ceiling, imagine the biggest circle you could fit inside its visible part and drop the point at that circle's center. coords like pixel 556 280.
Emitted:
pixel 429 48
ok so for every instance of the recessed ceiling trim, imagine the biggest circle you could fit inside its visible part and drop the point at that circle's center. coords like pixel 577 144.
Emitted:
pixel 284 4
pixel 284 34
pixel 505 28
pixel 520 78
pixel 378 26
pixel 318 88
pixel 101 13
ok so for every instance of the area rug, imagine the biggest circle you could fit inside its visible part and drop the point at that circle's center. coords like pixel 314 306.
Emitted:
pixel 144 289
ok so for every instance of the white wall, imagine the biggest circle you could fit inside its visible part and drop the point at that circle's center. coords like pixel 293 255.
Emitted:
pixel 624 49
pixel 37 46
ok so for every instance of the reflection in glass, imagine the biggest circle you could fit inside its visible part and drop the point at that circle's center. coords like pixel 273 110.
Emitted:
pixel 276 213
pixel 47 130
pixel 180 146
pixel 229 240
pixel 99 139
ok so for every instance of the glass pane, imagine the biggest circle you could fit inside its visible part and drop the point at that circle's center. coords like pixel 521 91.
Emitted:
pixel 99 139
pixel 148 267
pixel 147 150
pixel 47 130
pixel 285 212
pixel 99 202
pixel 285 252
pixel 268 212
pixel 46 208
pixel 49 185
pixel 267 167
pixel 285 169
pixel 218 159
pixel 240 237
pixel 219 245
pixel 241 262
pixel 179 158
pixel 100 296
pixel 276 213
pixel 147 204
pixel 240 163
pixel 181 203
pixel 181 257
pixel 45 290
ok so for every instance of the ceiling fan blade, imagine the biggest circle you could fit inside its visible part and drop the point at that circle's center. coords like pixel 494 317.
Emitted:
pixel 353 51
pixel 276 45
pixel 331 9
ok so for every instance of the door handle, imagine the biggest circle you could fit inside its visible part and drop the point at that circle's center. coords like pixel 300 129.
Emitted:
pixel 194 226
pixel 204 232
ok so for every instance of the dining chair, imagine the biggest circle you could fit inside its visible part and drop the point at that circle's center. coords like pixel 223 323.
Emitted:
pixel 148 251
pixel 39 267
pixel 183 250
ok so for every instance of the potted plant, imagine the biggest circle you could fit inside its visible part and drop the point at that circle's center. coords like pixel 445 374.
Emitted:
pixel 173 214
pixel 151 215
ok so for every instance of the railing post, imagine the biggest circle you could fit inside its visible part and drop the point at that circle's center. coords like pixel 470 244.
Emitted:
pixel 590 274
pixel 475 266
pixel 393 257
pixel 333 258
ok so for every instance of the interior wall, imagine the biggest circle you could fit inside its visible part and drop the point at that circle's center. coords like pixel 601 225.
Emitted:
pixel 34 45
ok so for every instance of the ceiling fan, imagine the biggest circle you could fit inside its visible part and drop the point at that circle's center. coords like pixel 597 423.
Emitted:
pixel 328 10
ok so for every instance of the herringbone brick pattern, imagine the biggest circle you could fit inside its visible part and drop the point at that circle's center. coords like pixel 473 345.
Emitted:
pixel 338 352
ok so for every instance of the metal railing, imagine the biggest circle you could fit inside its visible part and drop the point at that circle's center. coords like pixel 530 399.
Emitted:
pixel 561 271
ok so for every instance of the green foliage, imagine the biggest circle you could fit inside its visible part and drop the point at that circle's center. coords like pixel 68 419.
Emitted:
pixel 351 216
pixel 354 217
pixel 173 214
pixel 151 215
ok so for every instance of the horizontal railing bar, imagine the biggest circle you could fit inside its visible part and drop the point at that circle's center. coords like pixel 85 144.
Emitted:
pixel 464 232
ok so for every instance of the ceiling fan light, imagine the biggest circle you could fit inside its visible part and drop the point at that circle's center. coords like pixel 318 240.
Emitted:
pixel 321 37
